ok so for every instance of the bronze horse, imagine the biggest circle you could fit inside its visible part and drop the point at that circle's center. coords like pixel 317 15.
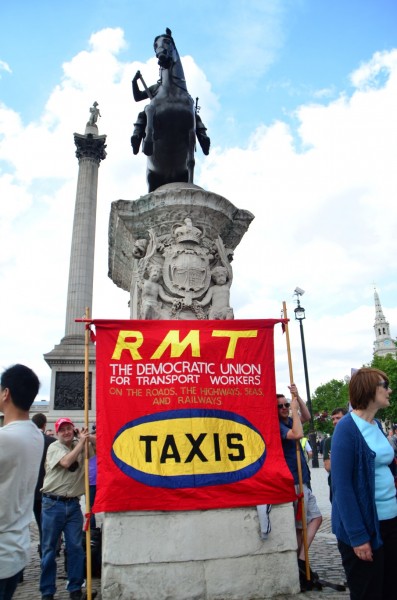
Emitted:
pixel 170 122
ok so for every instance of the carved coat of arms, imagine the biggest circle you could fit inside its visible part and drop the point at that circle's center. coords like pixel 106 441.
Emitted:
pixel 175 275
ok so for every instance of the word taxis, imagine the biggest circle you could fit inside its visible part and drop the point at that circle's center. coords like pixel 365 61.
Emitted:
pixel 189 448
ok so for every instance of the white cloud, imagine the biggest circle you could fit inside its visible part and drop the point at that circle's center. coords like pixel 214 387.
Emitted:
pixel 108 40
pixel 4 67
pixel 329 200
pixel 368 74
pixel 323 196
pixel 324 201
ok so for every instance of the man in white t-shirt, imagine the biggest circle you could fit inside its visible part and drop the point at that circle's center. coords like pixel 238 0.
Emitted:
pixel 21 449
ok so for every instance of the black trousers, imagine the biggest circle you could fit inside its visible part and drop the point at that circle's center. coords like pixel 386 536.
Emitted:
pixel 9 585
pixel 373 580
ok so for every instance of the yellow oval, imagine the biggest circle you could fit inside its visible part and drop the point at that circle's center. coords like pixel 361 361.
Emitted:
pixel 185 447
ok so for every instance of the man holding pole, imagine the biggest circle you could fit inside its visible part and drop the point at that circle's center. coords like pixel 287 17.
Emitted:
pixel 62 488
pixel 292 431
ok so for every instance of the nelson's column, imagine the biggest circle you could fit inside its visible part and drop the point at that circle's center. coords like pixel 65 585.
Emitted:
pixel 67 358
pixel 172 250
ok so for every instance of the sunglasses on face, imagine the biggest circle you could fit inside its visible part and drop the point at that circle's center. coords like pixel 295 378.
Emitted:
pixel 285 405
pixel 384 384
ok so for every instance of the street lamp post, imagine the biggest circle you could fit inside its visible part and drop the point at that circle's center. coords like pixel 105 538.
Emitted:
pixel 299 316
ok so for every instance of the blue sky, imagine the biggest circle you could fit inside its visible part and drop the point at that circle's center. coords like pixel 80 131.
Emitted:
pixel 299 97
pixel 263 58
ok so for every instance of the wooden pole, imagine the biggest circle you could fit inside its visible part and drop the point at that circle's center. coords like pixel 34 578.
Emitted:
pixel 86 458
pixel 298 453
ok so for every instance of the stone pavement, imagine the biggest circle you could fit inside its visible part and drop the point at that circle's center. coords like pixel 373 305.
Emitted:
pixel 324 557
pixel 29 588
pixel 323 554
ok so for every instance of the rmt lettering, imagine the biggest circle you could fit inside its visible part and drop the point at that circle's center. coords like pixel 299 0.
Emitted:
pixel 133 342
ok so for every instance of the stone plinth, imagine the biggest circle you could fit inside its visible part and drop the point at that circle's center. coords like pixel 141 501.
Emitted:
pixel 67 364
pixel 130 220
pixel 199 555
pixel 183 231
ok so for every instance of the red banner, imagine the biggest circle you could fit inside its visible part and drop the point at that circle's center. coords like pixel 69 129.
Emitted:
pixel 187 416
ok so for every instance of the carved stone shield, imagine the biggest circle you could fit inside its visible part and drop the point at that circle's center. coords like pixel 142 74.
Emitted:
pixel 186 270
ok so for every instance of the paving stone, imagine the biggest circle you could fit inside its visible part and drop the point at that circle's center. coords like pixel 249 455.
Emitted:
pixel 29 588
pixel 324 557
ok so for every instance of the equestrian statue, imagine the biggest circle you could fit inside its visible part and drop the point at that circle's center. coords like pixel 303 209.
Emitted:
pixel 170 122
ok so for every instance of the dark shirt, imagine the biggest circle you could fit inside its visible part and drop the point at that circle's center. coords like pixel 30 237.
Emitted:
pixel 326 455
pixel 289 449
pixel 48 439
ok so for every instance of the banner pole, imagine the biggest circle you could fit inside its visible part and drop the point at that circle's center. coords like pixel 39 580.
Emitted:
pixel 86 459
pixel 298 453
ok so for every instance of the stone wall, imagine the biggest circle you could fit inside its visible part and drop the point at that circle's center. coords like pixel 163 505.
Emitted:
pixel 199 555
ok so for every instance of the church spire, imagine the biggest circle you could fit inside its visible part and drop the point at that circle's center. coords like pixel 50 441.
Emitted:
pixel 383 344
pixel 379 316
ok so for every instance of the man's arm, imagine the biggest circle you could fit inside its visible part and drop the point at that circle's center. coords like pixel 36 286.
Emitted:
pixel 149 91
pixel 68 459
pixel 137 93
pixel 308 450
pixel 305 414
pixel 296 432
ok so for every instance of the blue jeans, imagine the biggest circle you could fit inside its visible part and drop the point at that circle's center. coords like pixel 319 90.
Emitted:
pixel 58 516
pixel 8 586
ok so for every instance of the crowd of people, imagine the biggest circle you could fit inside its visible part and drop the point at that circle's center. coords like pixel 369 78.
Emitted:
pixel 43 474
pixel 46 473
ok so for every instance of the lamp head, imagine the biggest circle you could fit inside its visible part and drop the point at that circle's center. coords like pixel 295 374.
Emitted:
pixel 300 313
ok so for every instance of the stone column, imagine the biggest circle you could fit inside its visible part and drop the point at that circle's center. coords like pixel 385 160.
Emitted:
pixel 90 151
pixel 66 360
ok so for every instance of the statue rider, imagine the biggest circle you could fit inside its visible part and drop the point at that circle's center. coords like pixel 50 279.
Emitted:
pixel 140 125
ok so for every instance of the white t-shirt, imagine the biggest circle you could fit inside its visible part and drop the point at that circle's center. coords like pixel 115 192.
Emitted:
pixel 21 450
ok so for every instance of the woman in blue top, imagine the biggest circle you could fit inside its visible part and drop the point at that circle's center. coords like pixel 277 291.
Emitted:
pixel 364 505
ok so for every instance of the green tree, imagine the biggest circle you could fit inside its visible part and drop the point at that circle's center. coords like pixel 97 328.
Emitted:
pixel 328 396
pixel 335 393
pixel 388 364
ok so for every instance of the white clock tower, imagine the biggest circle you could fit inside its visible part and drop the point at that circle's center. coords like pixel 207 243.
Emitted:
pixel 383 344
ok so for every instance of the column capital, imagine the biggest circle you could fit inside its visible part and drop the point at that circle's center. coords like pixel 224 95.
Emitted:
pixel 90 146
